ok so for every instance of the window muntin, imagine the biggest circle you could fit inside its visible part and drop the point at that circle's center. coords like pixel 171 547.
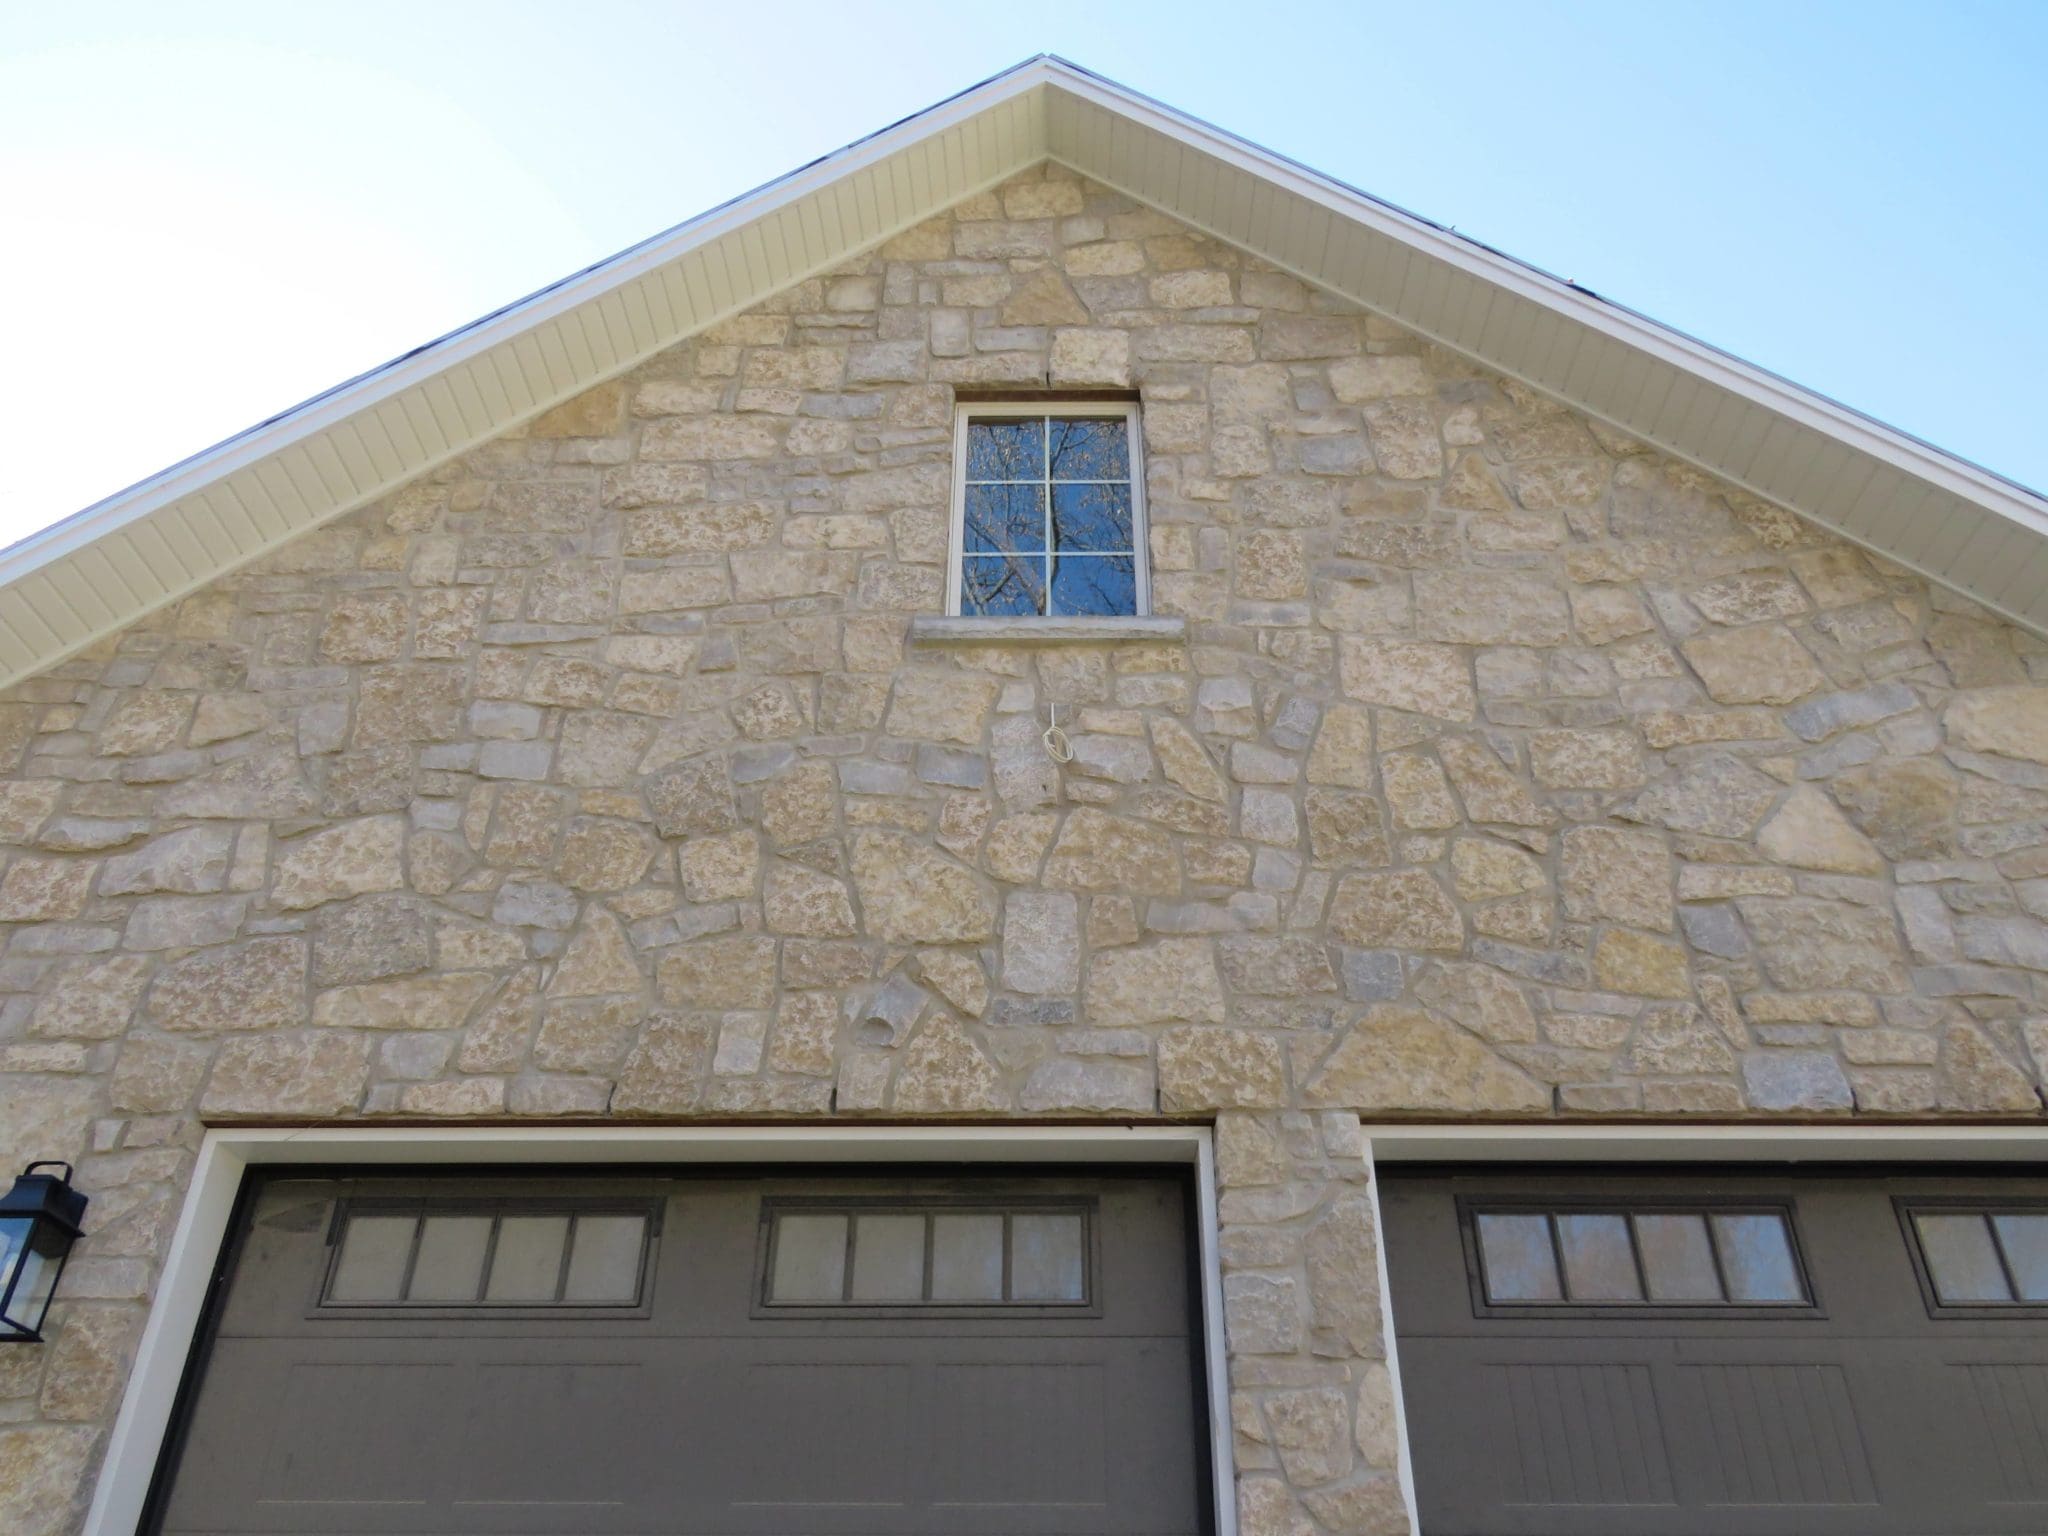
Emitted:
pixel 1982 1256
pixel 1637 1257
pixel 1048 512
pixel 916 1255
pixel 489 1254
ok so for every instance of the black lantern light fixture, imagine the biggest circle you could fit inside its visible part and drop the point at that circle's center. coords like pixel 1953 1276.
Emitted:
pixel 38 1224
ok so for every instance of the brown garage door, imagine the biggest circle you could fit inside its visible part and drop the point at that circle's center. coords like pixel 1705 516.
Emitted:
pixel 717 1354
pixel 1695 1353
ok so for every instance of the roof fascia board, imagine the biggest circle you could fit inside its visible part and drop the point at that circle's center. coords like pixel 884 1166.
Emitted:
pixel 388 380
pixel 1622 324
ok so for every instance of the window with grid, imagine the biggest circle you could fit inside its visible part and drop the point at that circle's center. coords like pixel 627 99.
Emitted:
pixel 1048 512
pixel 925 1255
pixel 1992 1256
pixel 489 1254
pixel 1637 1256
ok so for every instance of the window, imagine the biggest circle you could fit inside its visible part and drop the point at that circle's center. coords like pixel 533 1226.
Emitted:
pixel 877 1254
pixel 1048 511
pixel 1648 1256
pixel 1981 1256
pixel 489 1255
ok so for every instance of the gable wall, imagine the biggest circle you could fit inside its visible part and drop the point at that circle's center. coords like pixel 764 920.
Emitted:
pixel 1507 770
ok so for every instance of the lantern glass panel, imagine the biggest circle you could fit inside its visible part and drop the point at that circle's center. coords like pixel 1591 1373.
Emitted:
pixel 29 1264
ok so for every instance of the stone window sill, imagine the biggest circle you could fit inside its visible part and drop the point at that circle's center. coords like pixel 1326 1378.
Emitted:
pixel 935 629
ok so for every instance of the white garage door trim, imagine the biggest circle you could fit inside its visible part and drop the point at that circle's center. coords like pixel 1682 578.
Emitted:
pixel 1634 1143
pixel 226 1154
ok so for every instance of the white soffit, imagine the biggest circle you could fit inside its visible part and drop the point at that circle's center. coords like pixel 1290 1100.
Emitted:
pixel 107 566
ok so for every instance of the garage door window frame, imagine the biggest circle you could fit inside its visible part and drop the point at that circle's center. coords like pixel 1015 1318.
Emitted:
pixel 1909 1206
pixel 228 1153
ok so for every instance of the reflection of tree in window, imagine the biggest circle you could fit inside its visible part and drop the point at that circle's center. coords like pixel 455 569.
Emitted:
pixel 1047 519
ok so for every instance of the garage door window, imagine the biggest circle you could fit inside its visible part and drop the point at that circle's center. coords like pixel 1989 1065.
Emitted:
pixel 1640 1257
pixel 490 1256
pixel 929 1256
pixel 1982 1257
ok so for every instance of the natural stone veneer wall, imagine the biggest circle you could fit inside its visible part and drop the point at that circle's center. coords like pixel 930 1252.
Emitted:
pixel 1509 769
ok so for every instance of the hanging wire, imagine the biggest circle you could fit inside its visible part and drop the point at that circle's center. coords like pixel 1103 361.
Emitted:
pixel 1057 747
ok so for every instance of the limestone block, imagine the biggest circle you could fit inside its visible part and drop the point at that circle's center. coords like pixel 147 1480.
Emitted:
pixel 343 861
pixel 1401 909
pixel 1201 1068
pixel 1170 980
pixel 308 1073
pixel 1425 679
pixel 1398 1058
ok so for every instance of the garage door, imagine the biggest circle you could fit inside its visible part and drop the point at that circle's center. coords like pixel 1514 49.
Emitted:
pixel 739 1354
pixel 1650 1354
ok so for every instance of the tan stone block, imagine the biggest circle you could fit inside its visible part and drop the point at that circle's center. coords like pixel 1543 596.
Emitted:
pixel 1761 665
pixel 144 723
pixel 699 527
pixel 1640 965
pixel 1170 980
pixel 1473 607
pixel 260 984
pixel 1202 1069
pixel 157 1077
pixel 722 868
pixel 1425 679
pixel 224 716
pixel 1016 846
pixel 1491 792
pixel 1183 760
pixel 365 626
pixel 806 1035
pixel 1344 826
pixel 45 890
pixel 1810 944
pixel 1097 851
pixel 454 1099
pixel 912 894
pixel 940 706
pixel 1479 999
pixel 1401 909
pixel 1092 356
pixel 1356 380
pixel 300 1073
pixel 1616 876
pixel 1586 759
pixel 1483 870
pixel 422 1002
pixel 348 860
pixel 799 900
pixel 665 1073
pixel 713 438
pixel 1810 833
pixel 44 1477
pixel 1399 1058
pixel 943 1072
pixel 598 960
pixel 603 855
pixel 2009 722
pixel 1418 792
pixel 598 412
pixel 1405 442
pixel 1342 754
pixel 712 974
pixel 800 805
pixel 89 999
pixel 589 1034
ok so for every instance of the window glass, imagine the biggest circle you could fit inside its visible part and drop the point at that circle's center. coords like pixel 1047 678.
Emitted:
pixel 810 1258
pixel 1678 1258
pixel 1756 1256
pixel 1961 1258
pixel 2024 1235
pixel 374 1251
pixel 1599 1264
pixel 1520 1265
pixel 450 1266
pixel 1006 449
pixel 941 1254
pixel 1048 521
pixel 967 1258
pixel 604 1261
pixel 888 1257
pixel 1089 448
pixel 527 1264
pixel 1620 1257
pixel 1045 1257
pixel 1099 585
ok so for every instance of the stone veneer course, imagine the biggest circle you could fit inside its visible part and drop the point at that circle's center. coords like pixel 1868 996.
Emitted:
pixel 1507 769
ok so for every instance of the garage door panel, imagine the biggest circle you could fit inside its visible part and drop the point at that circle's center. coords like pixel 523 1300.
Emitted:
pixel 701 1410
pixel 1863 1414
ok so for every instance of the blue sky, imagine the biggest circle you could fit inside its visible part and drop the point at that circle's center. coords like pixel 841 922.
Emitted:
pixel 218 209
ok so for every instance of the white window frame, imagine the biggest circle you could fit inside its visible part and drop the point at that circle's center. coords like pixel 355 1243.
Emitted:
pixel 1049 405
pixel 227 1153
